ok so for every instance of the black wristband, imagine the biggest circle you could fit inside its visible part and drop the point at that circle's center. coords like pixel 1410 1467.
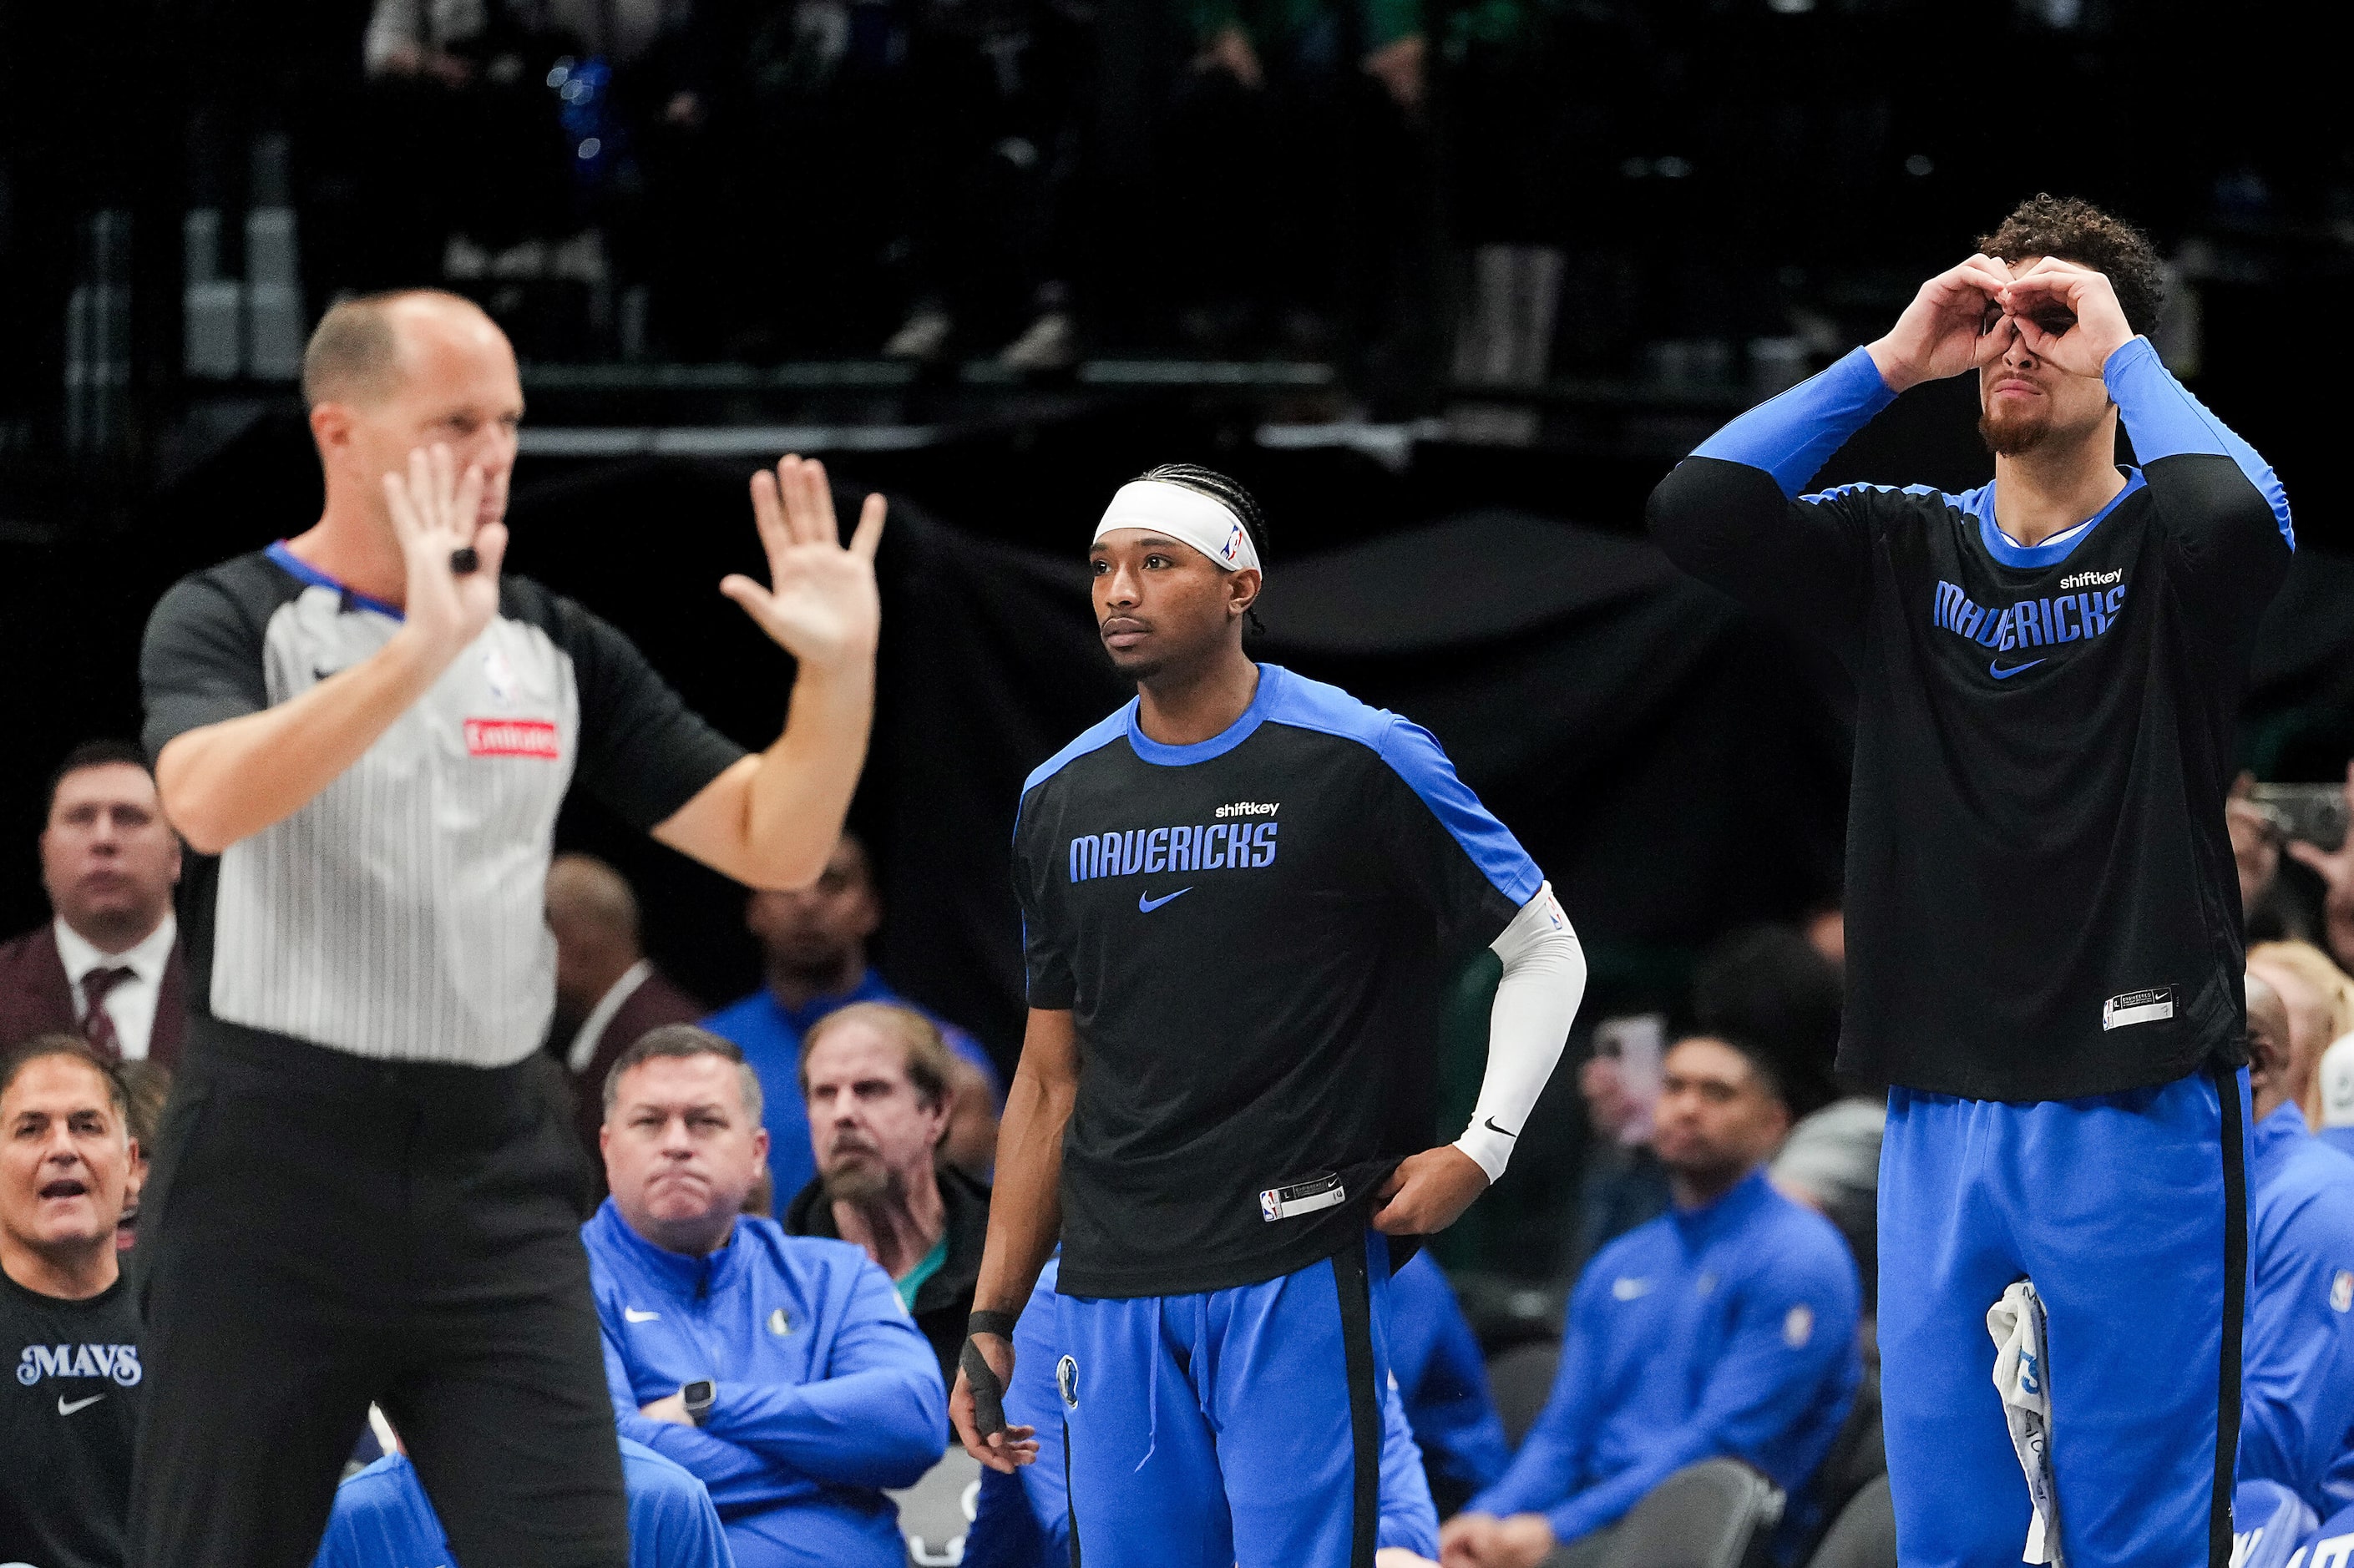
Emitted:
pixel 998 1323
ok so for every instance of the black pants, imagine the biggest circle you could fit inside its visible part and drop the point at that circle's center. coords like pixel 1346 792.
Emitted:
pixel 324 1231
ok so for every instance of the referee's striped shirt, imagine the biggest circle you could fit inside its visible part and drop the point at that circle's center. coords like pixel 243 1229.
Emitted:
pixel 398 915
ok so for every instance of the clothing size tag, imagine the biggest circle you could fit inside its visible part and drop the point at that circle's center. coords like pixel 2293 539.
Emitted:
pixel 1305 1197
pixel 2149 1006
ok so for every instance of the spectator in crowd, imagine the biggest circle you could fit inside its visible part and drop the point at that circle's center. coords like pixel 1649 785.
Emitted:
pixel 2298 1370
pixel 2320 1002
pixel 1724 1329
pixel 1300 122
pixel 814 945
pixel 68 1327
pixel 1623 1184
pixel 383 1519
pixel 1443 1382
pixel 607 993
pixel 2336 869
pixel 877 1080
pixel 987 139
pixel 107 965
pixel 1022 1520
pixel 783 1370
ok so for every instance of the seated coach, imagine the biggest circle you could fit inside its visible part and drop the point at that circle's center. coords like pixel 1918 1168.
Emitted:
pixel 2296 1381
pixel 1724 1329
pixel 781 1370
pixel 106 966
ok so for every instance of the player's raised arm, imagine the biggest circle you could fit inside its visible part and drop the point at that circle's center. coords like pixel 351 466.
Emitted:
pixel 1730 513
pixel 770 820
pixel 1025 1216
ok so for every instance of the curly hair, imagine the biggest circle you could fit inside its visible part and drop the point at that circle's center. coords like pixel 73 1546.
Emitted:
pixel 2076 231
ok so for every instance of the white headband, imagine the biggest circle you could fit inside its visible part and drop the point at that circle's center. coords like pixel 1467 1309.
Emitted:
pixel 1184 513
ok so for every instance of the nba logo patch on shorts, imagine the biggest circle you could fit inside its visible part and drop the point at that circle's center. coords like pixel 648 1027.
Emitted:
pixel 1067 1380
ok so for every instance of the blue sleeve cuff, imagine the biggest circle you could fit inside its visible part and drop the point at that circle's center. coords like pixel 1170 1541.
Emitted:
pixel 1792 435
pixel 2164 420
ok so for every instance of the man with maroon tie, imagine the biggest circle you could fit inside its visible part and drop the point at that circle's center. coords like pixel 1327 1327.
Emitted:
pixel 107 965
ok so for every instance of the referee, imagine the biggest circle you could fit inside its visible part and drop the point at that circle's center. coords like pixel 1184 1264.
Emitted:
pixel 365 1186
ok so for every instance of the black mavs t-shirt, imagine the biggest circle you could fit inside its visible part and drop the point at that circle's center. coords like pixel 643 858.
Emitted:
pixel 69 1418
pixel 1248 933
pixel 2040 897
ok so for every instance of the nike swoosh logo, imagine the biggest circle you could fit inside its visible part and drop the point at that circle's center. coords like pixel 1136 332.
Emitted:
pixel 1493 1127
pixel 632 1315
pixel 1998 673
pixel 66 1407
pixel 1145 905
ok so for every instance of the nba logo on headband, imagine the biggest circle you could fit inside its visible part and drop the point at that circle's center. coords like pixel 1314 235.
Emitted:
pixel 1233 544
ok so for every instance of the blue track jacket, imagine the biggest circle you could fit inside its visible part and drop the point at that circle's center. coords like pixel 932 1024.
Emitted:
pixel 1022 1520
pixel 1443 1379
pixel 383 1520
pixel 1727 1331
pixel 2296 1383
pixel 827 1393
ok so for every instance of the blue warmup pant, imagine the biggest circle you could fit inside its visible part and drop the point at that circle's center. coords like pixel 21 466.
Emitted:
pixel 2130 1212
pixel 1233 1428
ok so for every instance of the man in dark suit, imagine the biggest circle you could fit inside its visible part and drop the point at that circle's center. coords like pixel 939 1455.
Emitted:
pixel 107 965
pixel 607 993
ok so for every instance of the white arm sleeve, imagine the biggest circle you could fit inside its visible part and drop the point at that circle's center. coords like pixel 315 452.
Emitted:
pixel 1544 978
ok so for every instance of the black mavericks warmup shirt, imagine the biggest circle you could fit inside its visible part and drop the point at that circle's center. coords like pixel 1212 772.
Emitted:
pixel 1248 932
pixel 68 1419
pixel 2040 898
pixel 399 914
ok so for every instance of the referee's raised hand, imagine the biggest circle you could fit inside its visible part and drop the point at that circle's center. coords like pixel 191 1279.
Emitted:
pixel 436 512
pixel 820 604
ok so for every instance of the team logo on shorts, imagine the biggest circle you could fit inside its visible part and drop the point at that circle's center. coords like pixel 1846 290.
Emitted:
pixel 1799 1326
pixel 2341 1292
pixel 779 1324
pixel 1067 1379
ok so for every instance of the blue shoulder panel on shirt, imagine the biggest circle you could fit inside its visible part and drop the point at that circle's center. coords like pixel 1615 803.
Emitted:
pixel 1792 435
pixel 2164 420
pixel 1414 756
pixel 1094 737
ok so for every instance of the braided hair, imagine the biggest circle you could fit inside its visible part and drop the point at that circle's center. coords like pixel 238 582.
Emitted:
pixel 1229 493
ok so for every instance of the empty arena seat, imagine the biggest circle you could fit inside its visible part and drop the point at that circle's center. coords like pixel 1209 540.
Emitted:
pixel 1864 1534
pixel 937 1512
pixel 1715 1514
pixel 1520 1379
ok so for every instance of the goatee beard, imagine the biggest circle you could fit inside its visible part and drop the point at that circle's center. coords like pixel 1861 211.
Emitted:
pixel 859 1183
pixel 2012 438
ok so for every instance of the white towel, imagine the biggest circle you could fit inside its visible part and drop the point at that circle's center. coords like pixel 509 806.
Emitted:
pixel 2017 1324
